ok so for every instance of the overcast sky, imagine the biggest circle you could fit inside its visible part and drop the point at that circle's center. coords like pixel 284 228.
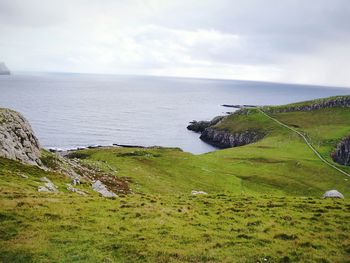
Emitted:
pixel 298 41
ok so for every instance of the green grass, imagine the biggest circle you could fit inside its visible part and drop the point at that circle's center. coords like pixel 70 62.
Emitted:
pixel 65 227
pixel 263 202
pixel 250 119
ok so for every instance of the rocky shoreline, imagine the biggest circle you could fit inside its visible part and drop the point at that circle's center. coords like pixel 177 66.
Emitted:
pixel 222 138
pixel 200 126
pixel 64 152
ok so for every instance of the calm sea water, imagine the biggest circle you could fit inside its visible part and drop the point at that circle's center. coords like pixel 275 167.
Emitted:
pixel 76 110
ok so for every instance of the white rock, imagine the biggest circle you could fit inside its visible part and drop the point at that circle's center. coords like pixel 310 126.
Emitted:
pixel 99 187
pixel 48 186
pixel 194 192
pixel 333 194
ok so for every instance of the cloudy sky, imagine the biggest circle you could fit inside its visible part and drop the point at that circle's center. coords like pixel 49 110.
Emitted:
pixel 298 41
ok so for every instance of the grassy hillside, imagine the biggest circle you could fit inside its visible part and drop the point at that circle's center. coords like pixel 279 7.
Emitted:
pixel 263 202
pixel 65 227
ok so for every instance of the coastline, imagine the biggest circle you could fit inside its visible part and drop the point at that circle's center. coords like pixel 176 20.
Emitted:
pixel 114 145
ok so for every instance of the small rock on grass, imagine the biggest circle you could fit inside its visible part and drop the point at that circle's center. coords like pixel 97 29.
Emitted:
pixel 75 190
pixel 333 194
pixel 194 192
pixel 48 186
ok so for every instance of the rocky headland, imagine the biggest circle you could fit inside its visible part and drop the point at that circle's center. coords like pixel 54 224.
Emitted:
pixel 222 138
pixel 200 126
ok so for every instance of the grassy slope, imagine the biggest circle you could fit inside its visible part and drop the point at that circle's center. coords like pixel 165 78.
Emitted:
pixel 282 161
pixel 255 209
pixel 65 227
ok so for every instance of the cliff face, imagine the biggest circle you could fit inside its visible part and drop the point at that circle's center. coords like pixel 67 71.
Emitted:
pixel 342 152
pixel 17 140
pixel 222 138
pixel 225 139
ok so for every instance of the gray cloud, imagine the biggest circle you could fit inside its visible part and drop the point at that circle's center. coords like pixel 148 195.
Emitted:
pixel 270 40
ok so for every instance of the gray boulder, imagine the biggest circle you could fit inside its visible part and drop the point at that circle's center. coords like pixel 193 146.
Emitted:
pixel 99 187
pixel 48 186
pixel 333 194
pixel 17 139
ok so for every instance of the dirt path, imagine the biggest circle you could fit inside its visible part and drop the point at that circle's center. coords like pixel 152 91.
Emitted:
pixel 306 141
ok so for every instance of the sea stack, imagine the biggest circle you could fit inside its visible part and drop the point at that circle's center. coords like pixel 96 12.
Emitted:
pixel 3 69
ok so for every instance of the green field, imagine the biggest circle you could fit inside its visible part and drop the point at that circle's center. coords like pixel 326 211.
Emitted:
pixel 263 202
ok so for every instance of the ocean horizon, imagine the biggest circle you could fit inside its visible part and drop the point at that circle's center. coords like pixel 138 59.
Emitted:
pixel 72 110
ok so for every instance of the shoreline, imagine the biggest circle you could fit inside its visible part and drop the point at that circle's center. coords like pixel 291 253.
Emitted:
pixel 114 145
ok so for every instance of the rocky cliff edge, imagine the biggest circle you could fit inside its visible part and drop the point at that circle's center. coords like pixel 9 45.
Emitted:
pixel 17 139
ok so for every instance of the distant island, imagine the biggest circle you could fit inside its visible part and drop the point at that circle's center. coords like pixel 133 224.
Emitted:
pixel 3 69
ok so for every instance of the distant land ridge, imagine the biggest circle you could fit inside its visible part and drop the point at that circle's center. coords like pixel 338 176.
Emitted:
pixel 3 69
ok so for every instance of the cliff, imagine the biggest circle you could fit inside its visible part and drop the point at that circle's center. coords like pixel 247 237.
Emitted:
pixel 3 69
pixel 222 131
pixel 17 139
pixel 342 153
pixel 226 139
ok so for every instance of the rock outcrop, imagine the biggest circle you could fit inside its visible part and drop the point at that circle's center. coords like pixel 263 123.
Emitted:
pixel 225 139
pixel 3 69
pixel 200 126
pixel 342 153
pixel 17 139
pixel 101 188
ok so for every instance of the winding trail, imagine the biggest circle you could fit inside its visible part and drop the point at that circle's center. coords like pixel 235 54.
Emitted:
pixel 306 141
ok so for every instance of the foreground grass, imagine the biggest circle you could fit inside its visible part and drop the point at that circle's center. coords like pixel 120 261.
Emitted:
pixel 65 227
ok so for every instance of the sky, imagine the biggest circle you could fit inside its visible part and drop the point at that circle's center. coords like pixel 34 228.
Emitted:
pixel 293 41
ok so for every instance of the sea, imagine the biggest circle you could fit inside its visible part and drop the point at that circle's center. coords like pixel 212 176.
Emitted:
pixel 69 111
